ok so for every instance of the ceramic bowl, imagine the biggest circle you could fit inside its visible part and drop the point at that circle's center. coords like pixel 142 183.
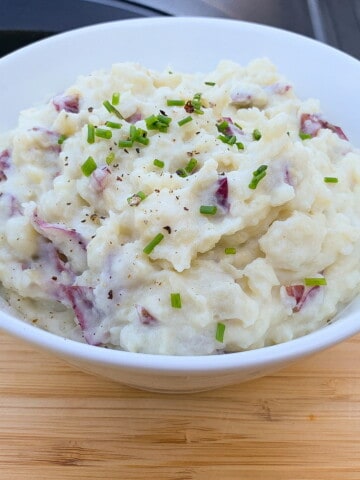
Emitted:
pixel 34 73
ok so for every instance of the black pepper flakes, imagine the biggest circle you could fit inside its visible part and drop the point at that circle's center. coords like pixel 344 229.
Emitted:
pixel 168 229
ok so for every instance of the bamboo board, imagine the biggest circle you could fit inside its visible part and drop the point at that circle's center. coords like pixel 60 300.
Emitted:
pixel 302 423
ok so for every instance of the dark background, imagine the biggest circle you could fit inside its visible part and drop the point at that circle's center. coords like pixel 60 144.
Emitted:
pixel 336 22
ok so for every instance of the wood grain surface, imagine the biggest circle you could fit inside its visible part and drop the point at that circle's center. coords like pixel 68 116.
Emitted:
pixel 302 423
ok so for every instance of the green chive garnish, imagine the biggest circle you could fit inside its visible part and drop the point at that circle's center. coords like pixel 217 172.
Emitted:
pixel 158 122
pixel 62 139
pixel 229 139
pixel 115 98
pixel 211 84
pixel 188 170
pixel 331 179
pixel 208 209
pixel 220 331
pixel 111 109
pixel 103 133
pixel 113 124
pixel 230 250
pixel 181 172
pixel 88 166
pixel 190 167
pixel 155 241
pixel 185 120
pixel 158 163
pixel 304 136
pixel 175 300
pixel 125 144
pixel 222 126
pixel 315 281
pixel 257 176
pixel 256 134
pixel 175 103
pixel 90 133
pixel 135 199
pixel 110 158
pixel 196 103
pixel 138 135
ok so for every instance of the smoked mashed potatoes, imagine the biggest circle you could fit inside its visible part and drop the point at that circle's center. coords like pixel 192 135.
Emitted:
pixel 185 214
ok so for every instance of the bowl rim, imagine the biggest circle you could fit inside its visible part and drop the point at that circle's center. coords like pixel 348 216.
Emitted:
pixel 313 342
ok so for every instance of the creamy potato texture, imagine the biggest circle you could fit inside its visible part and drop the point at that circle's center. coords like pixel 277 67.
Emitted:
pixel 184 214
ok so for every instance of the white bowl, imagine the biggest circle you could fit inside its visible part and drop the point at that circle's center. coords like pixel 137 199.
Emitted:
pixel 32 74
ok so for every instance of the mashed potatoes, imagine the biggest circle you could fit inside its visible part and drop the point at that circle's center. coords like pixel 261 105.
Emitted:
pixel 179 214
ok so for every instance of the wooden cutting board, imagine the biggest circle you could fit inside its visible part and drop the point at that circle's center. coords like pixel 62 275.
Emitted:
pixel 59 423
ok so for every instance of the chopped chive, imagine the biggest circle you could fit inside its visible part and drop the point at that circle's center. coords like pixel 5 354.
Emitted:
pixel 113 124
pixel 175 103
pixel 135 199
pixel 211 84
pixel 256 134
pixel 222 126
pixel 331 179
pixel 315 281
pixel 143 140
pixel 228 139
pixel 304 136
pixel 88 166
pixel 196 103
pixel 158 122
pixel 208 209
pixel 190 167
pixel 155 241
pixel 125 144
pixel 62 139
pixel 175 300
pixel 158 163
pixel 255 180
pixel 111 109
pixel 133 133
pixel 188 170
pixel 103 133
pixel 230 250
pixel 181 172
pixel 90 133
pixel 110 158
pixel 115 98
pixel 240 145
pixel 138 135
pixel 185 120
pixel 261 169
pixel 220 331
pixel 141 194
pixel 258 175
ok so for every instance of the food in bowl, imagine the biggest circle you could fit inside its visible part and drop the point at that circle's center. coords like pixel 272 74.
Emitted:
pixel 185 214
